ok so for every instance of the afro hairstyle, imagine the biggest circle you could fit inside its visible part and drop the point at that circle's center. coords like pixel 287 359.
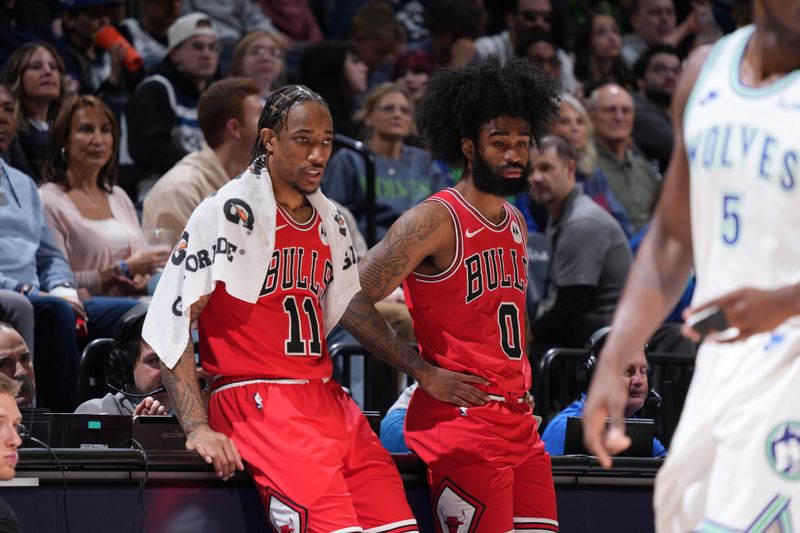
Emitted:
pixel 458 101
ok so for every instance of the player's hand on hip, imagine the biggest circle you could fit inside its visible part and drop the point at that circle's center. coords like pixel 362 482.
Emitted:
pixel 606 399
pixel 750 311
pixel 453 387
pixel 215 449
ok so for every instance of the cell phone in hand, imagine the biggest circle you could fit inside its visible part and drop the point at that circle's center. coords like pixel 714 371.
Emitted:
pixel 709 319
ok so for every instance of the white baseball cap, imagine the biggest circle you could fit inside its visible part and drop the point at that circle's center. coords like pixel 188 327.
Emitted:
pixel 189 26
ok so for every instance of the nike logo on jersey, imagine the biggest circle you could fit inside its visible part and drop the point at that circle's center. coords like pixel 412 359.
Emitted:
pixel 471 234
pixel 711 96
pixel 280 227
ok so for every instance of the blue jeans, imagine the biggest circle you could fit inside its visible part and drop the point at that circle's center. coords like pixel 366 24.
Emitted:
pixel 56 357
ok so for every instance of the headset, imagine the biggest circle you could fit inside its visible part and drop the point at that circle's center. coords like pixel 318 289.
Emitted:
pixel 585 368
pixel 125 352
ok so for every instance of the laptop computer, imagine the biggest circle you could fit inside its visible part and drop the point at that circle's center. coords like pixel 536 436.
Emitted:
pixel 158 432
pixel 90 431
pixel 641 431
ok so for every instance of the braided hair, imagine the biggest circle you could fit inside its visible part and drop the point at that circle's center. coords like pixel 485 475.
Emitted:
pixel 458 101
pixel 276 113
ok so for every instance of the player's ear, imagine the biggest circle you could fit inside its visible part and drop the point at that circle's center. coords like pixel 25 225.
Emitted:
pixel 468 148
pixel 268 138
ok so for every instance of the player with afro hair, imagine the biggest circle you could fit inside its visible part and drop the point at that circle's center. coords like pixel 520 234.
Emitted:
pixel 458 101
pixel 461 258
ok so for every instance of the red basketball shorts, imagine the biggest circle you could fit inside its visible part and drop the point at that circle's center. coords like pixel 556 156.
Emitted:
pixel 487 468
pixel 317 464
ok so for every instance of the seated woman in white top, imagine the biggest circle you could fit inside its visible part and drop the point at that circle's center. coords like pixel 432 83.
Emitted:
pixel 92 220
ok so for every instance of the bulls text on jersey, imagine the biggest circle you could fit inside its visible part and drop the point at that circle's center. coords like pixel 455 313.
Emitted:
pixel 286 270
pixel 487 271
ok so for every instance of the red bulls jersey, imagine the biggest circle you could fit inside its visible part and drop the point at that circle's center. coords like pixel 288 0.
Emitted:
pixel 281 335
pixel 471 317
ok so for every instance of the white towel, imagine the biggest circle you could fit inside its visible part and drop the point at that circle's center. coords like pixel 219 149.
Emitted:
pixel 230 238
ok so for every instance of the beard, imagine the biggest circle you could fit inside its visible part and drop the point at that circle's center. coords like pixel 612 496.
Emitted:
pixel 491 181
pixel 658 96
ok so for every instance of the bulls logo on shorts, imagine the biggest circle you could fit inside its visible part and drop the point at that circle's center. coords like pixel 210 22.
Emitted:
pixel 456 511
pixel 237 210
pixel 783 450
pixel 516 232
pixel 284 515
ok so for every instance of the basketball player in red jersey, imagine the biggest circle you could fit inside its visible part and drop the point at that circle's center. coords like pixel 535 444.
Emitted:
pixel 313 456
pixel 461 256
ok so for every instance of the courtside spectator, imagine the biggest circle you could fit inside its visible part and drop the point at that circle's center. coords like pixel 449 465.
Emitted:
pixel 259 55
pixel 598 53
pixel 454 25
pixel 17 310
pixel 404 175
pixel 654 22
pixel 228 114
pixel 412 70
pixel 232 19
pixel 35 75
pixel 576 127
pixel 637 380
pixel 294 19
pixel 95 69
pixel 377 36
pixel 160 124
pixel 16 362
pixel 524 18
pixel 334 70
pixel 590 255
pixel 634 180
pixel 541 50
pixel 656 73
pixel 93 221
pixel 10 440
pixel 148 32
pixel 32 265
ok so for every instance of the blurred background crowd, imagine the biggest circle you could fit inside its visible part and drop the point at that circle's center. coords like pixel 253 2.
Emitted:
pixel 117 117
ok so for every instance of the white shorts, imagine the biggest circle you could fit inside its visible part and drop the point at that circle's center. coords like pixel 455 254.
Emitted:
pixel 734 462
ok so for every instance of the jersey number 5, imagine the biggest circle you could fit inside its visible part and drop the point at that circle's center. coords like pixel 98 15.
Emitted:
pixel 731 206
pixel 296 345
pixel 510 331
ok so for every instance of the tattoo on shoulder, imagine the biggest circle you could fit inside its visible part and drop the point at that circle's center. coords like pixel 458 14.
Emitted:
pixel 389 260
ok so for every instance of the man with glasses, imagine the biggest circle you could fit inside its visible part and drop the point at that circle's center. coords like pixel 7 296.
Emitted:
pixel 160 125
pixel 634 180
pixel 656 73
pixel 525 17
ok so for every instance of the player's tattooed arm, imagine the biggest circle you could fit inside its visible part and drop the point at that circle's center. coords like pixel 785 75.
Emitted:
pixel 184 391
pixel 419 235
pixel 181 382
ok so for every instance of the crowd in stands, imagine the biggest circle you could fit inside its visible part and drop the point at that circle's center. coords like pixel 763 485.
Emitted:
pixel 117 117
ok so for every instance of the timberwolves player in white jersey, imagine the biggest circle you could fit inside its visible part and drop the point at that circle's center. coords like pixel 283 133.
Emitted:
pixel 730 210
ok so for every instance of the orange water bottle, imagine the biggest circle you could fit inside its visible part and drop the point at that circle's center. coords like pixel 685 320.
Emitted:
pixel 109 36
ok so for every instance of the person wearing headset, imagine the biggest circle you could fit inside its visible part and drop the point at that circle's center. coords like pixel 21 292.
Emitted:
pixel 638 383
pixel 133 374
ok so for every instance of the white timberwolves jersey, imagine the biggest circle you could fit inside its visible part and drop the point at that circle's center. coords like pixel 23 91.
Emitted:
pixel 734 462
pixel 743 146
